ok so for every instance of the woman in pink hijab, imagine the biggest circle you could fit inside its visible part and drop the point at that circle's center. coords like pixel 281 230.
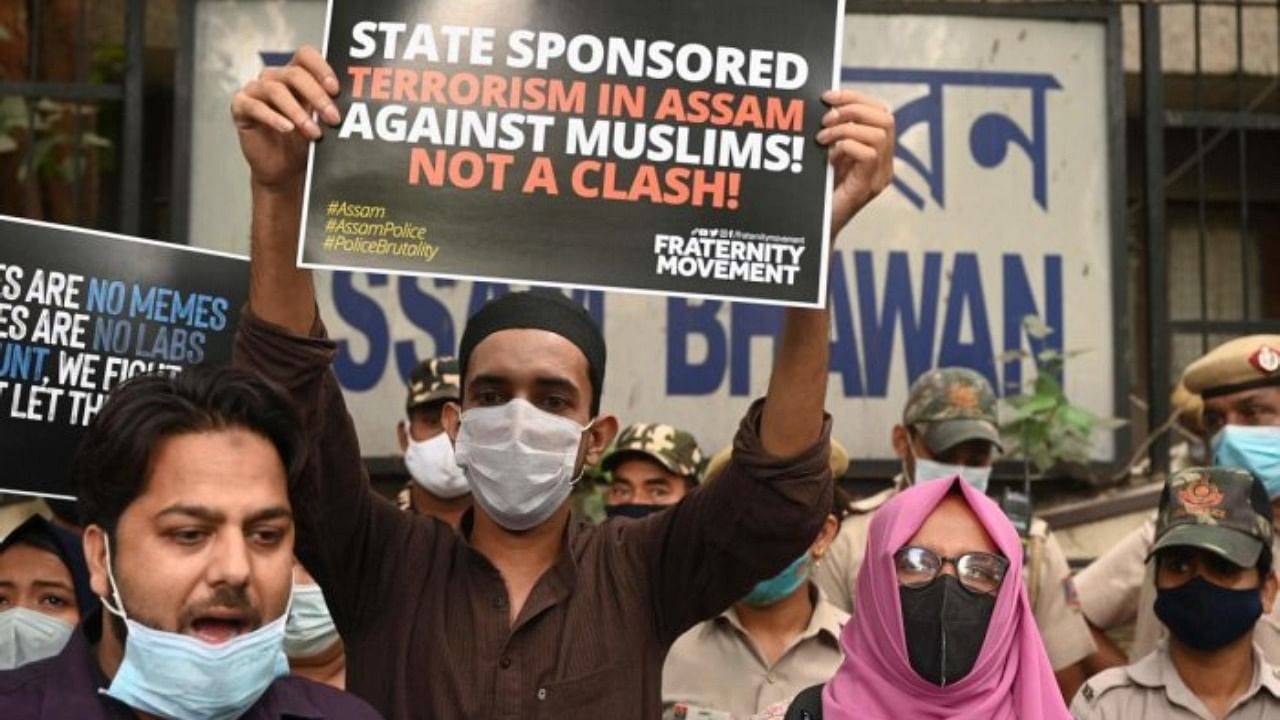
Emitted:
pixel 943 627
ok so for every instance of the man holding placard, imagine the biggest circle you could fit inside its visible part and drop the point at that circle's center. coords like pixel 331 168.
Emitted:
pixel 526 611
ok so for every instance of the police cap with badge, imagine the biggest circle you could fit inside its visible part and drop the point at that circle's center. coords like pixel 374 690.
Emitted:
pixel 1238 366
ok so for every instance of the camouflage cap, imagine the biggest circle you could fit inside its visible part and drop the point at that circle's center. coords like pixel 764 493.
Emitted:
pixel 950 406
pixel 1222 510
pixel 1241 364
pixel 434 379
pixel 672 448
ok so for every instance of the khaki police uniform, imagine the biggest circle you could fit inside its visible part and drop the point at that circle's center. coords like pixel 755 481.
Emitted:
pixel 1151 688
pixel 1066 636
pixel 1119 588
pixel 716 668
pixel 1224 511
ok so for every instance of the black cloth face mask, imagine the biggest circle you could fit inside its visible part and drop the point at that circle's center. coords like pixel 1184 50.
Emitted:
pixel 945 625
pixel 633 510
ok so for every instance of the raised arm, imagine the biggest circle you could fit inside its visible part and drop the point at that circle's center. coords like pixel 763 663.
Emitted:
pixel 347 537
pixel 767 506
pixel 859 135
pixel 273 118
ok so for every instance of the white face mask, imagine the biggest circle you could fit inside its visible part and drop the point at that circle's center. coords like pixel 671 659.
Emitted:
pixel 929 470
pixel 310 630
pixel 432 465
pixel 27 636
pixel 520 462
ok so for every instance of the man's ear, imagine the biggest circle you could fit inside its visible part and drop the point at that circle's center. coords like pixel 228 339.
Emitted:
pixel 451 419
pixel 901 442
pixel 402 435
pixel 830 527
pixel 1269 592
pixel 599 436
pixel 93 541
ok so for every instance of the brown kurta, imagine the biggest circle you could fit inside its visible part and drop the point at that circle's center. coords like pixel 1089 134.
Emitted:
pixel 424 615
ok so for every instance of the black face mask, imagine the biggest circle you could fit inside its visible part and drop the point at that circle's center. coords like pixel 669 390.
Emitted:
pixel 1205 616
pixel 632 510
pixel 945 625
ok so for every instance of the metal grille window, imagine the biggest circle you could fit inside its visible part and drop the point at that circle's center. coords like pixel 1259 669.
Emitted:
pixel 83 130
pixel 1210 202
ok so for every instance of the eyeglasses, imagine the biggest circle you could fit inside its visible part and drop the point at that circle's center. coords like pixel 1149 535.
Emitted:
pixel 980 572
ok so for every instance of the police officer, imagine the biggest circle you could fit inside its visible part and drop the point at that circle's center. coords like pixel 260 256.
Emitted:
pixel 1212 565
pixel 949 427
pixel 650 467
pixel 436 484
pixel 1239 384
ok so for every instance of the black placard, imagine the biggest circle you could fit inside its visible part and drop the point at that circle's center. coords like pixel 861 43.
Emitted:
pixel 82 311
pixel 595 143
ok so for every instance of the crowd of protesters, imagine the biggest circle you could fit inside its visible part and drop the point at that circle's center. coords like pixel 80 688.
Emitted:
pixel 229 557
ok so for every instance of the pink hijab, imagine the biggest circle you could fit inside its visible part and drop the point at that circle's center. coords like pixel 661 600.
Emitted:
pixel 1011 679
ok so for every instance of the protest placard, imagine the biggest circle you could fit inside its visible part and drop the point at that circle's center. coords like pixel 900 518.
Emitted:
pixel 82 311
pixel 591 143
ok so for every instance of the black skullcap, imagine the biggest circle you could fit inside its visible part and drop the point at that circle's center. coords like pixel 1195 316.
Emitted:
pixel 539 310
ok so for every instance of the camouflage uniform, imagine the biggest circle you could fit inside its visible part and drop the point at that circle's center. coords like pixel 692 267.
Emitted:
pixel 946 407
pixel 1224 511
pixel 672 448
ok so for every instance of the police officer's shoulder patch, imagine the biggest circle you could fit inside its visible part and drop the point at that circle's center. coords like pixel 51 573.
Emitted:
pixel 1104 682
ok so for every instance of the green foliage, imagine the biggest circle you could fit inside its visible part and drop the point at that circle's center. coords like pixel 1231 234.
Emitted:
pixel 107 63
pixel 55 150
pixel 1042 424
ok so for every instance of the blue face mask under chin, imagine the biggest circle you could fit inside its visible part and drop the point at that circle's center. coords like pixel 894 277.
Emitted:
pixel 781 586
pixel 177 676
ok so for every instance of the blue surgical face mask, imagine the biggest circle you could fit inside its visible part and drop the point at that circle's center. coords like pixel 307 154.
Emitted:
pixel 1254 448
pixel 929 470
pixel 781 586
pixel 176 676
pixel 310 630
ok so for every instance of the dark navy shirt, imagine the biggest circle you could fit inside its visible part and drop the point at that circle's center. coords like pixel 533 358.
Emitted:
pixel 66 686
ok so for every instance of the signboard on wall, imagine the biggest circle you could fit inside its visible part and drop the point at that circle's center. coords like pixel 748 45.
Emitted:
pixel 1002 208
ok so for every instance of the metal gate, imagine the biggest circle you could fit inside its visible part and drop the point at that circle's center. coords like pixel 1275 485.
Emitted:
pixel 1209 208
